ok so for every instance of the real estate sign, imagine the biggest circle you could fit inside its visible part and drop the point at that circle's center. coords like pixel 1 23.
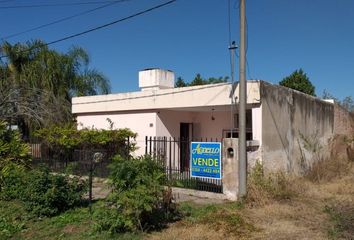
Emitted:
pixel 205 160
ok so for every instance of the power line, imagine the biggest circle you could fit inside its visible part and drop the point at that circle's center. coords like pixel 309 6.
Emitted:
pixel 97 28
pixel 61 20
pixel 54 4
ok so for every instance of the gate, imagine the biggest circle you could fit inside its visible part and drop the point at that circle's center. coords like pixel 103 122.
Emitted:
pixel 174 155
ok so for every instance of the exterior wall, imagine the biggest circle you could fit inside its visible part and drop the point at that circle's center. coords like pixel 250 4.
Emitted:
pixel 205 127
pixel 143 123
pixel 206 96
pixel 293 125
pixel 168 122
pixel 155 79
pixel 343 121
pixel 257 124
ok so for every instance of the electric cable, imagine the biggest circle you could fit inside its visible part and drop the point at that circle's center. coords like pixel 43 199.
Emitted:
pixel 54 5
pixel 97 28
pixel 61 20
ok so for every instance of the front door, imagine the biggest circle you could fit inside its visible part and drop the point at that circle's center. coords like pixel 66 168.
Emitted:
pixel 185 138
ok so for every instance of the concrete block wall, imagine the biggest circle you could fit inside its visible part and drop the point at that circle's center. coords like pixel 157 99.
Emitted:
pixel 343 121
pixel 293 125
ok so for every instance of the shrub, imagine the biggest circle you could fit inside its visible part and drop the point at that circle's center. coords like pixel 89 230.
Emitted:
pixel 64 139
pixel 12 149
pixel 42 193
pixel 47 194
pixel 136 202
pixel 13 183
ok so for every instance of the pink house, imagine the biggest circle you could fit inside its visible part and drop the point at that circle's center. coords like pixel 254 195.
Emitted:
pixel 278 118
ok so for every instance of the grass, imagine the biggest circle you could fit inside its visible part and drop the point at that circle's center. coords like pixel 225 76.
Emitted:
pixel 76 224
pixel 342 218
pixel 317 206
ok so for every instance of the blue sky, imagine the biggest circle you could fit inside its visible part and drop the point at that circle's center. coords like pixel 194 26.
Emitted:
pixel 191 36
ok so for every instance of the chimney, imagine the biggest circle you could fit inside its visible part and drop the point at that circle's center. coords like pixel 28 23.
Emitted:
pixel 156 79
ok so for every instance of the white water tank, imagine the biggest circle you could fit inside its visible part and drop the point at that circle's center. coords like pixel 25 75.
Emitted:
pixel 155 79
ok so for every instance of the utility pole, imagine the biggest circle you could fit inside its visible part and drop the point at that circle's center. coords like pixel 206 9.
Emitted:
pixel 232 49
pixel 242 104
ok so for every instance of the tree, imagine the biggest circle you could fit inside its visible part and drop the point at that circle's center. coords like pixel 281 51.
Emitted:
pixel 347 102
pixel 198 80
pixel 299 81
pixel 37 83
pixel 180 82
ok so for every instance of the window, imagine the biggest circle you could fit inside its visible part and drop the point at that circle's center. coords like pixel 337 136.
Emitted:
pixel 227 133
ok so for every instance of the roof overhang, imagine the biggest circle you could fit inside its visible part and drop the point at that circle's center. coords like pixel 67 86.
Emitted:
pixel 197 97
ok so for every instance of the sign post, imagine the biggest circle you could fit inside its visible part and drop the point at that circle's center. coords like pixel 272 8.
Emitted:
pixel 205 160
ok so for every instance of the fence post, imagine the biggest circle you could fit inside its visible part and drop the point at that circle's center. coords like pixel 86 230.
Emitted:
pixel 230 183
pixel 146 145
pixel 170 160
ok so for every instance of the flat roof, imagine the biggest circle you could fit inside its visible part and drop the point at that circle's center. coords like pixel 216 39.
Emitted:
pixel 175 98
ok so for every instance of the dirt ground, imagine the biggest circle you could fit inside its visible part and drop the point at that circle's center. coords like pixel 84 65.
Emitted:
pixel 320 209
pixel 303 217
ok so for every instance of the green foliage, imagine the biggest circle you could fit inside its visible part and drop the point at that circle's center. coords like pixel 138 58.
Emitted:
pixel 16 223
pixel 13 183
pixel 219 216
pixel 299 81
pixel 49 194
pixel 137 200
pixel 13 151
pixel 180 82
pixel 43 193
pixel 34 73
pixel 8 228
pixel 66 138
pixel 198 80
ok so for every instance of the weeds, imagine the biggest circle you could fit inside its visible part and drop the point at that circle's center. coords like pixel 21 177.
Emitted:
pixel 337 165
pixel 342 218
pixel 328 169
pixel 220 217
pixel 8 227
pixel 263 188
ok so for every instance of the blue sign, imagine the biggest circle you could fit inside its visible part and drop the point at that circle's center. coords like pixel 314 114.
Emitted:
pixel 205 161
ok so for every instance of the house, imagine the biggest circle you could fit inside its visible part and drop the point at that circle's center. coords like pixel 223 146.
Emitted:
pixel 281 123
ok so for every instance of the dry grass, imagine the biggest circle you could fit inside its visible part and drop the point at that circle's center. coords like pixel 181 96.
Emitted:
pixel 317 206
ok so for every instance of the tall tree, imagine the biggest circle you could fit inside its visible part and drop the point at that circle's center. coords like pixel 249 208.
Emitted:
pixel 37 83
pixel 298 80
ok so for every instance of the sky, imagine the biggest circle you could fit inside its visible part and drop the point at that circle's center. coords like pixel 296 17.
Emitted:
pixel 192 36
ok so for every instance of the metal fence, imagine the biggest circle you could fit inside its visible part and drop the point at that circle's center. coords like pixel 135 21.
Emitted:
pixel 77 161
pixel 174 155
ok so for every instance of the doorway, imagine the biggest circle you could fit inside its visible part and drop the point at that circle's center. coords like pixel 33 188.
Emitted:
pixel 186 134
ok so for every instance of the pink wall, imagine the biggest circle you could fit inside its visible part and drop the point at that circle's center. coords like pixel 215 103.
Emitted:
pixel 142 123
pixel 168 123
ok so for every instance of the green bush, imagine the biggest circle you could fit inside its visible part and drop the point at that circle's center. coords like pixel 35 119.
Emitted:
pixel 13 183
pixel 43 193
pixel 12 149
pixel 137 201
pixel 64 139
pixel 47 194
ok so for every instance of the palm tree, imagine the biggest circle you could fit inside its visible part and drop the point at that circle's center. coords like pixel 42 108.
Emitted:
pixel 37 83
